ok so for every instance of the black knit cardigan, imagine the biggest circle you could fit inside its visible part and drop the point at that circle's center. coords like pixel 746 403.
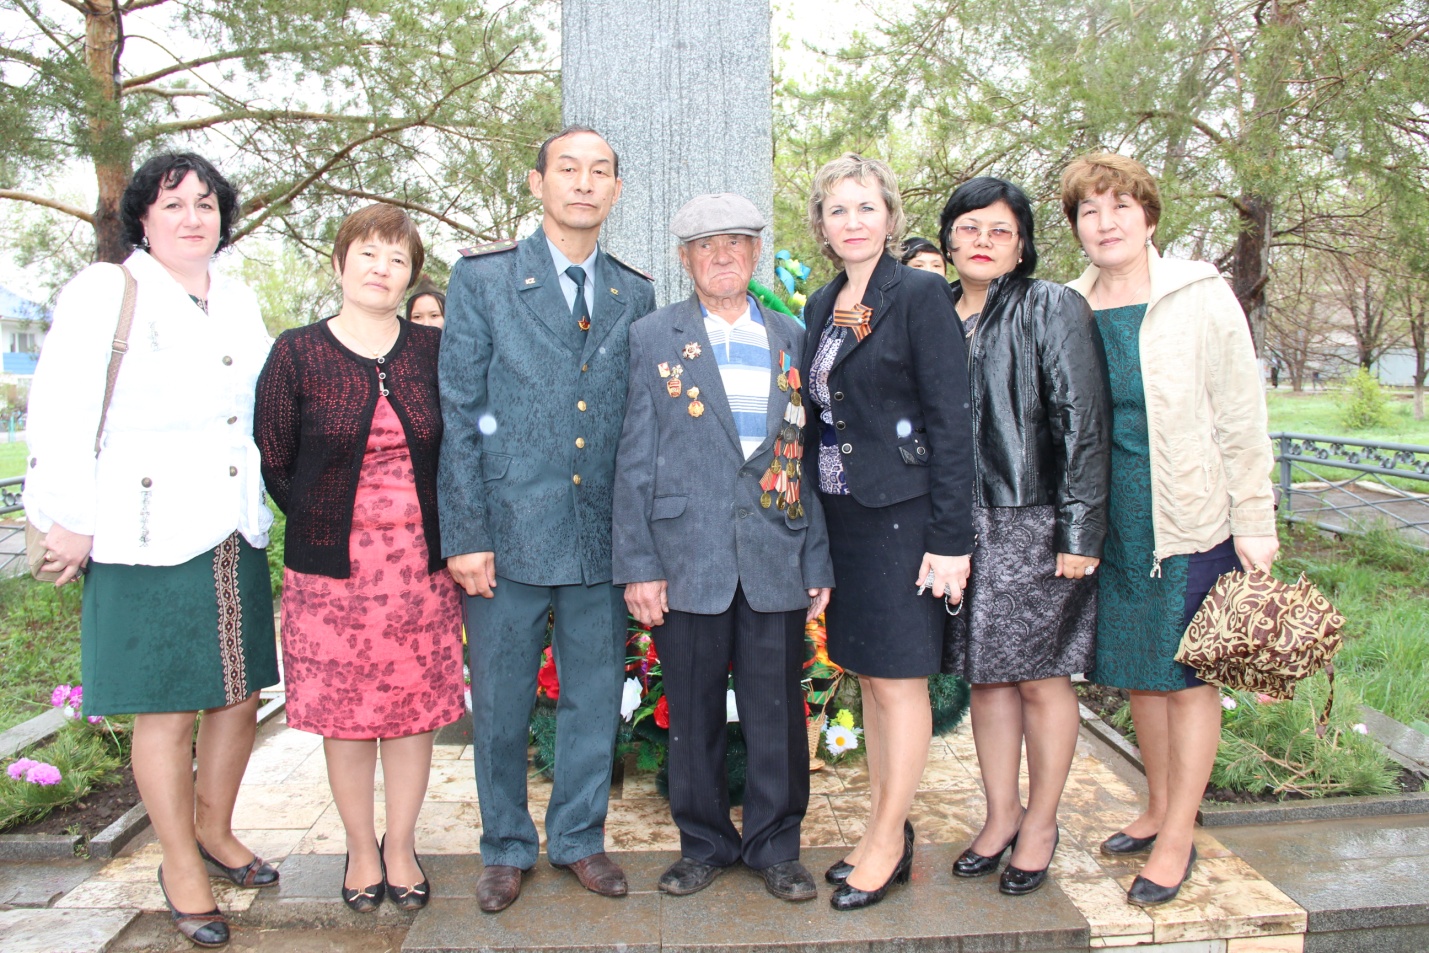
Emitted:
pixel 311 419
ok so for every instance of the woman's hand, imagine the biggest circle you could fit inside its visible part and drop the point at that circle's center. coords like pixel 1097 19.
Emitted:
pixel 1071 566
pixel 950 575
pixel 1256 552
pixel 66 553
pixel 818 602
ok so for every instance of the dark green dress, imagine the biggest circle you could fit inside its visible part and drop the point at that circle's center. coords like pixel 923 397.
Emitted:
pixel 1139 616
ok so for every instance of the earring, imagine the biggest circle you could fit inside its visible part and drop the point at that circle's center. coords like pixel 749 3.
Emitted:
pixel 1019 260
pixel 1148 241
pixel 144 243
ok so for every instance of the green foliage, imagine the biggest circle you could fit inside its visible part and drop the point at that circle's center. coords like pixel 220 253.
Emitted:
pixel 276 537
pixel 12 456
pixel 87 756
pixel 39 645
pixel 1362 403
pixel 1272 748
pixel 949 696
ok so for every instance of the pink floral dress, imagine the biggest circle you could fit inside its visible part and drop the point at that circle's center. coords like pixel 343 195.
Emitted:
pixel 379 654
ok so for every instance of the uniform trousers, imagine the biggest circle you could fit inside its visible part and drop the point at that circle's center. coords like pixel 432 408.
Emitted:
pixel 767 653
pixel 505 640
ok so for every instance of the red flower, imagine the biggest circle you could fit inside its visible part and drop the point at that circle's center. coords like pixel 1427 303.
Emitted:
pixel 662 712
pixel 547 682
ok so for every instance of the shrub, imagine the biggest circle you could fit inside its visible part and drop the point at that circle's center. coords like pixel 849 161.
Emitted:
pixel 87 757
pixel 1363 405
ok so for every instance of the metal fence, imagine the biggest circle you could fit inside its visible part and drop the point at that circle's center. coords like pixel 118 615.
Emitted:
pixel 12 528
pixel 1349 489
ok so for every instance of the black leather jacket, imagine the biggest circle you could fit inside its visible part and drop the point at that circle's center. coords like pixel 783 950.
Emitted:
pixel 1041 408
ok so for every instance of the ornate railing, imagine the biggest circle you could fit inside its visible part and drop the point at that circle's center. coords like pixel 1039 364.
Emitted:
pixel 12 532
pixel 1365 496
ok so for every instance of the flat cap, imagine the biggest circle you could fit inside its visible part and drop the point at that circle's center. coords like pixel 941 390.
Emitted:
pixel 720 213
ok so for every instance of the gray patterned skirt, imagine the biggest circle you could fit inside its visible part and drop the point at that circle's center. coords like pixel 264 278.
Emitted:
pixel 1020 621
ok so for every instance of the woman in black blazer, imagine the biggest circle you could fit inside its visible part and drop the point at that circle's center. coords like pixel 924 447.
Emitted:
pixel 890 435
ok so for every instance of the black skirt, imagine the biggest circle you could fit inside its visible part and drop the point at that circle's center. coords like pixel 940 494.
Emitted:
pixel 878 625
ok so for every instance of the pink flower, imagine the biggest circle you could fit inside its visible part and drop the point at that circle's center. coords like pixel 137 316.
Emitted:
pixel 43 775
pixel 18 769
pixel 60 695
pixel 76 696
pixel 96 719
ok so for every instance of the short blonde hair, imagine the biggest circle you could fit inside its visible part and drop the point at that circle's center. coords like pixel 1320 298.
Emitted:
pixel 853 166
pixel 1098 172
pixel 387 222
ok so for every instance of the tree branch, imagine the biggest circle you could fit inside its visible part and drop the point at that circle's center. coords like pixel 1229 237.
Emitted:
pixel 401 203
pixel 78 213
pixel 133 5
pixel 264 115
pixel 167 93
pixel 186 65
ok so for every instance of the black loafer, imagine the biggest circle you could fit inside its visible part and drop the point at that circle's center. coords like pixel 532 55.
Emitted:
pixel 686 876
pixel 255 873
pixel 367 899
pixel 1147 893
pixel 972 864
pixel 789 880
pixel 1016 882
pixel 1122 844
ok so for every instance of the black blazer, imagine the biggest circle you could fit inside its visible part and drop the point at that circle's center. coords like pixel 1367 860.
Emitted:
pixel 900 400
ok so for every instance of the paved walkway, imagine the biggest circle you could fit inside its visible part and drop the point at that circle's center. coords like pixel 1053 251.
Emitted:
pixel 285 812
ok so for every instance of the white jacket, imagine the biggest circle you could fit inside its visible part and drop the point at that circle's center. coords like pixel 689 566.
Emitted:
pixel 1205 410
pixel 178 470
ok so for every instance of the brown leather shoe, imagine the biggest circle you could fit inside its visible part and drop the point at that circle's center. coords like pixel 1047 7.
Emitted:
pixel 598 874
pixel 498 887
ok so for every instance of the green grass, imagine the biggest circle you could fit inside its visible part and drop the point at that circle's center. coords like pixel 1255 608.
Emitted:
pixel 39 645
pixel 12 458
pixel 1319 414
pixel 87 756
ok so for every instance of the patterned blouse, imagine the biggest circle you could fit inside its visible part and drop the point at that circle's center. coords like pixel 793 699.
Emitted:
pixel 832 480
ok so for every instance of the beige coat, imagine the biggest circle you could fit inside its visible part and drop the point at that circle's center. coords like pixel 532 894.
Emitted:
pixel 1205 411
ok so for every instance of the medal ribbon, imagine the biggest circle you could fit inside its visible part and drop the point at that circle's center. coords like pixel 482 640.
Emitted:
pixel 856 318
pixel 780 482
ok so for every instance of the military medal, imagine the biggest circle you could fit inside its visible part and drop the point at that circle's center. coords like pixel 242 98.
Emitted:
pixel 691 351
pixel 696 408
pixel 674 386
pixel 780 483
pixel 664 370
pixel 583 323
pixel 694 393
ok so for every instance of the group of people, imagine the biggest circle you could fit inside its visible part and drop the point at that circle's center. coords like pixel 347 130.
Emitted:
pixel 1003 478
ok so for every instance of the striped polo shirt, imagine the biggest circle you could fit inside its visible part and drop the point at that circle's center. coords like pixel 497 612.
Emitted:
pixel 742 350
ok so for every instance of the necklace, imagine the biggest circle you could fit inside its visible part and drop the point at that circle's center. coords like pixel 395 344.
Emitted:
pixel 378 354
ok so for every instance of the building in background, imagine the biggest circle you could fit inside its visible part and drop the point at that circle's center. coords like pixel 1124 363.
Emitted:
pixel 23 324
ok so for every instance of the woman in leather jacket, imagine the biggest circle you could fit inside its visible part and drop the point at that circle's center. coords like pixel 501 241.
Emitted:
pixel 1037 381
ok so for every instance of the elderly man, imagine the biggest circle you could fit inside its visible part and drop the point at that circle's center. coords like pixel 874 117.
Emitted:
pixel 722 547
pixel 533 366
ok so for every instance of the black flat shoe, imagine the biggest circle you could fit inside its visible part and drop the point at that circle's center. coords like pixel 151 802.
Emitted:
pixel 839 872
pixel 1122 844
pixel 686 876
pixel 407 899
pixel 972 864
pixel 203 929
pixel 1147 893
pixel 255 873
pixel 1016 882
pixel 849 897
pixel 367 899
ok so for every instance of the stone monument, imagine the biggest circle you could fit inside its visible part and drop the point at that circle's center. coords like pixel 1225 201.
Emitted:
pixel 683 91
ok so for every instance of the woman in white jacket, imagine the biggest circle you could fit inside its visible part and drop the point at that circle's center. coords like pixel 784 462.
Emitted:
pixel 166 523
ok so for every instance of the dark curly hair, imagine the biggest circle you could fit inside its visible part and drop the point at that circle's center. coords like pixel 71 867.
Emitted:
pixel 980 193
pixel 165 171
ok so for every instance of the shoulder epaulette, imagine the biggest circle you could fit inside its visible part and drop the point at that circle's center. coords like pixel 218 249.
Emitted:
pixel 629 267
pixel 491 248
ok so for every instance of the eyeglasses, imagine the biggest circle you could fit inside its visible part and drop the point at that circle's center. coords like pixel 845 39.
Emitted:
pixel 996 234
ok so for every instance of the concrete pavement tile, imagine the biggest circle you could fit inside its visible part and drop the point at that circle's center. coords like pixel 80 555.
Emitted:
pixel 40 883
pixel 1287 943
pixel 826 781
pixel 313 770
pixel 641 824
pixel 1364 893
pixel 146 895
pixel 1224 898
pixel 271 845
pixel 1103 903
pixel 1072 861
pixel 61 931
pixel 1121 942
pixel 443 827
pixel 451 780
pixel 947 817
pixel 271 806
pixel 587 924
pixel 141 866
pixel 277 755
pixel 1310 843
pixel 639 784
pixel 949 775
pixel 447 752
pixel 820 827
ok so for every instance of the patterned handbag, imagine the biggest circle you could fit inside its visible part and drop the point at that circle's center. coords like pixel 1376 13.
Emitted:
pixel 1258 634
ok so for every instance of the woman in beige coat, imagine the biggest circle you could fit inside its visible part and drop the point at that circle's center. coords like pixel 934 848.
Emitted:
pixel 1190 491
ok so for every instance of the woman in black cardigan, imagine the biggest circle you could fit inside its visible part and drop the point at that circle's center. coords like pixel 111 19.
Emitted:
pixel 890 436
pixel 349 423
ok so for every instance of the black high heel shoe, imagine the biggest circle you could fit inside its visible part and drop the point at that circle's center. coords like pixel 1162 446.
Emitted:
pixel 838 873
pixel 972 864
pixel 1016 882
pixel 849 897
pixel 407 899
pixel 1148 893
pixel 203 929
pixel 1122 844
pixel 367 899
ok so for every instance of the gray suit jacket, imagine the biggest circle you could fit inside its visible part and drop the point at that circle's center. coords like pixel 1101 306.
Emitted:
pixel 686 502
pixel 532 408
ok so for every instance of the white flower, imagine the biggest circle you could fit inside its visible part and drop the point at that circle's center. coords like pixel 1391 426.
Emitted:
pixel 1229 703
pixel 70 712
pixel 839 739
pixel 630 698
pixel 731 710
pixel 1361 728
pixel 467 693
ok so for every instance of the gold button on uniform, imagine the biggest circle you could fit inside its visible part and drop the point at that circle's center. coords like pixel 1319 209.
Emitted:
pixel 576 479
pixel 580 443
pixel 580 405
pixel 146 483
pixel 227 360
pixel 233 420
pixel 584 368
pixel 233 471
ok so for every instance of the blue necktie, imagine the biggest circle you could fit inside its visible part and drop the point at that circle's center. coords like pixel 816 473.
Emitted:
pixel 578 308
